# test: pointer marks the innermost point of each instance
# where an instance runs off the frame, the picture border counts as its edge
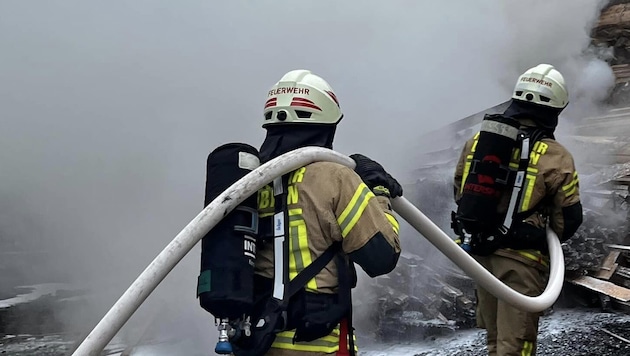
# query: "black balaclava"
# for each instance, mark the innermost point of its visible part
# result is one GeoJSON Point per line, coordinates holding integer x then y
{"type": "Point", "coordinates": [281, 139]}
{"type": "Point", "coordinates": [544, 116]}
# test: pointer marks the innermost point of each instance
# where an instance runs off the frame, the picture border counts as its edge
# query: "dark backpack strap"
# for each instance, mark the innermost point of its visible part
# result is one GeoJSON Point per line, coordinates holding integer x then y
{"type": "Point", "coordinates": [345, 296]}
{"type": "Point", "coordinates": [311, 270]}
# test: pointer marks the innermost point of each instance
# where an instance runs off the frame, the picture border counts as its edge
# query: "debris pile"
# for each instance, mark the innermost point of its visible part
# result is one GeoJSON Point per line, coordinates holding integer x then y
{"type": "Point", "coordinates": [613, 29]}
{"type": "Point", "coordinates": [415, 301]}
{"type": "Point", "coordinates": [586, 250]}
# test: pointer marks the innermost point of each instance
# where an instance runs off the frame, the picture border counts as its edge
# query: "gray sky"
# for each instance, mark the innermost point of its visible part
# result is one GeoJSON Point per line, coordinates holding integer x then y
{"type": "Point", "coordinates": [108, 109]}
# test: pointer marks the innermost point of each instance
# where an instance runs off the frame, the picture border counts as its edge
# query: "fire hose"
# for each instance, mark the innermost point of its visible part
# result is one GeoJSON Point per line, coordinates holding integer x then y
{"type": "Point", "coordinates": [214, 212]}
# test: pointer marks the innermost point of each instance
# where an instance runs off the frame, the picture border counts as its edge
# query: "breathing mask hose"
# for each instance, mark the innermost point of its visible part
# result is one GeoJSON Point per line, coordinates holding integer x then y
{"type": "Point", "coordinates": [157, 270]}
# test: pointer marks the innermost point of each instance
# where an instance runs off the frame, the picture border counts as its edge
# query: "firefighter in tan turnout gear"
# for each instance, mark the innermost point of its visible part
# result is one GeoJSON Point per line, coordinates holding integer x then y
{"type": "Point", "coordinates": [334, 214]}
{"type": "Point", "coordinates": [548, 194]}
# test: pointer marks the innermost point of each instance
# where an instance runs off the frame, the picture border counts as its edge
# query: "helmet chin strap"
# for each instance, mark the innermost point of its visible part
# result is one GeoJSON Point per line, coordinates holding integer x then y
{"type": "Point", "coordinates": [281, 139]}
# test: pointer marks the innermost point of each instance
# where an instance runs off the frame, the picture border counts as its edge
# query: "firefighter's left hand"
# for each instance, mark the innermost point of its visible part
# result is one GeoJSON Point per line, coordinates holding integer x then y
{"type": "Point", "coordinates": [374, 175]}
{"type": "Point", "coordinates": [395, 188]}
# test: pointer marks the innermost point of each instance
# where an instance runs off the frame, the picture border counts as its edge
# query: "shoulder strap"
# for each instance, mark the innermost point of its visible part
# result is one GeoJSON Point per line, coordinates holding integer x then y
{"type": "Point", "coordinates": [518, 183]}
{"type": "Point", "coordinates": [536, 135]}
{"type": "Point", "coordinates": [527, 139]}
{"type": "Point", "coordinates": [312, 270]}
{"type": "Point", "coordinates": [280, 239]}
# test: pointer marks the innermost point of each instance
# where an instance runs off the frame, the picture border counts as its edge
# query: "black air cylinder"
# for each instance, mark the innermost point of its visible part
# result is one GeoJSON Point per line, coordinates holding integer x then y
{"type": "Point", "coordinates": [228, 252]}
{"type": "Point", "coordinates": [489, 176]}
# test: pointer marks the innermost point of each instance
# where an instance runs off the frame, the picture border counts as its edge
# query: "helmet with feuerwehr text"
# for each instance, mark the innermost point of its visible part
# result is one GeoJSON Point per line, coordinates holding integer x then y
{"type": "Point", "coordinates": [301, 97]}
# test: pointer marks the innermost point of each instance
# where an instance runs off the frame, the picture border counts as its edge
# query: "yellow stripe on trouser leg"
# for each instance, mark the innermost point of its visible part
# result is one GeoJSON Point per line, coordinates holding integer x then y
{"type": "Point", "coordinates": [326, 344]}
{"type": "Point", "coordinates": [528, 346]}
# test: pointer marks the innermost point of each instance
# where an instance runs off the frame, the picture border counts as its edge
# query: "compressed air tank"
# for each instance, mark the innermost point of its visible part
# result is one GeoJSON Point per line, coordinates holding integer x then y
{"type": "Point", "coordinates": [228, 251]}
{"type": "Point", "coordinates": [489, 175]}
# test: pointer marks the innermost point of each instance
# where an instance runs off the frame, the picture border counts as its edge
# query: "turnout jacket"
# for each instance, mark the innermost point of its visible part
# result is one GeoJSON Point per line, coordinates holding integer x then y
{"type": "Point", "coordinates": [550, 192]}
{"type": "Point", "coordinates": [328, 202]}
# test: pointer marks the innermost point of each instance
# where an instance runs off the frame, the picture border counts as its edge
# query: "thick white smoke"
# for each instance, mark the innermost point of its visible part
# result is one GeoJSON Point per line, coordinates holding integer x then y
{"type": "Point", "coordinates": [109, 110]}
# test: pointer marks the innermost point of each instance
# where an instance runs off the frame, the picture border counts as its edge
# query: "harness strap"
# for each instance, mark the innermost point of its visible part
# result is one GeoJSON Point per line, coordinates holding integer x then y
{"type": "Point", "coordinates": [529, 139]}
{"type": "Point", "coordinates": [346, 332]}
{"type": "Point", "coordinates": [518, 184]}
{"type": "Point", "coordinates": [312, 270]}
{"type": "Point", "coordinates": [280, 239]}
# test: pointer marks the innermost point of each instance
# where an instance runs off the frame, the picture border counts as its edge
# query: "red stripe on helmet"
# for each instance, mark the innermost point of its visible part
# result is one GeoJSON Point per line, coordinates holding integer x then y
{"type": "Point", "coordinates": [271, 102]}
{"type": "Point", "coordinates": [303, 100]}
{"type": "Point", "coordinates": [306, 105]}
{"type": "Point", "coordinates": [333, 96]}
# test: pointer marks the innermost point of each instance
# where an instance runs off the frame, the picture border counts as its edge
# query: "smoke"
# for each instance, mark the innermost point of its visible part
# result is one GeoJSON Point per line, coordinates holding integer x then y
{"type": "Point", "coordinates": [109, 110]}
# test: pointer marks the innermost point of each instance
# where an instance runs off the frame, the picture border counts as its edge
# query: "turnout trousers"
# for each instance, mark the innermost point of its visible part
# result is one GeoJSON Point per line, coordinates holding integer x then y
{"type": "Point", "coordinates": [510, 331]}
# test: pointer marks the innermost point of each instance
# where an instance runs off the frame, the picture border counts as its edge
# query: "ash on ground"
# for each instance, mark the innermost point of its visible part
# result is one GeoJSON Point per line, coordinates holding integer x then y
{"type": "Point", "coordinates": [576, 332]}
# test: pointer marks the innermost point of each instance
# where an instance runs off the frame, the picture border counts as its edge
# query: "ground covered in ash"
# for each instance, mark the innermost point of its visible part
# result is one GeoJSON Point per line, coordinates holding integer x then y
{"type": "Point", "coordinates": [575, 332]}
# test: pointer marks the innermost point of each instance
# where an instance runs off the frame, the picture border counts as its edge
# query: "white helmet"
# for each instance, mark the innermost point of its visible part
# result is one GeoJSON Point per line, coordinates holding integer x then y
{"type": "Point", "coordinates": [542, 85]}
{"type": "Point", "coordinates": [301, 97]}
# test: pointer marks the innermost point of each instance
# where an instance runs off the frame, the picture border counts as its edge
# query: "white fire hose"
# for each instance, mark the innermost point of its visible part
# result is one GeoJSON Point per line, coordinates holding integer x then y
{"type": "Point", "coordinates": [212, 214]}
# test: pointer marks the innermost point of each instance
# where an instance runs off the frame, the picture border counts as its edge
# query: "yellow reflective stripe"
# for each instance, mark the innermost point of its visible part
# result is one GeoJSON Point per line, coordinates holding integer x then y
{"type": "Point", "coordinates": [353, 211]}
{"type": "Point", "coordinates": [265, 215]}
{"type": "Point", "coordinates": [465, 173]}
{"type": "Point", "coordinates": [313, 346]}
{"type": "Point", "coordinates": [528, 347]}
{"type": "Point", "coordinates": [571, 192]}
{"type": "Point", "coordinates": [529, 169]}
{"type": "Point", "coordinates": [290, 333]}
{"type": "Point", "coordinates": [529, 190]}
{"type": "Point", "coordinates": [300, 256]}
{"type": "Point", "coordinates": [327, 344]}
{"type": "Point", "coordinates": [468, 162]}
{"type": "Point", "coordinates": [571, 188]}
{"type": "Point", "coordinates": [476, 139]}
{"type": "Point", "coordinates": [536, 256]}
{"type": "Point", "coordinates": [392, 220]}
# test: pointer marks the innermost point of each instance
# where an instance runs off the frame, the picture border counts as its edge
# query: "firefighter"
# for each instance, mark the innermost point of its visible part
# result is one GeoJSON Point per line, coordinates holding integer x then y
{"type": "Point", "coordinates": [327, 205]}
{"type": "Point", "coordinates": [550, 196]}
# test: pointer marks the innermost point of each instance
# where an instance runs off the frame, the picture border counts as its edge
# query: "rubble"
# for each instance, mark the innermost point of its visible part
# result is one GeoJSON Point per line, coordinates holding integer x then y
{"type": "Point", "coordinates": [416, 301]}
{"type": "Point", "coordinates": [613, 29]}
{"type": "Point", "coordinates": [584, 253]}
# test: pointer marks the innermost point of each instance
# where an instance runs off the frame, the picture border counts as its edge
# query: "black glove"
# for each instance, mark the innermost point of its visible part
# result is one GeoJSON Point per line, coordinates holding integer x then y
{"type": "Point", "coordinates": [375, 177]}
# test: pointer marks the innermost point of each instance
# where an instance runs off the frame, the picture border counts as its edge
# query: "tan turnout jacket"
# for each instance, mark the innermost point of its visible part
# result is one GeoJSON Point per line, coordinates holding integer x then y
{"type": "Point", "coordinates": [551, 172]}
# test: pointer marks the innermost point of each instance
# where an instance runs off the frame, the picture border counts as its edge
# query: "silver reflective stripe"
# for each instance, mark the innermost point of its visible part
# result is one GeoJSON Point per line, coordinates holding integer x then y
{"type": "Point", "coordinates": [277, 186]}
{"type": "Point", "coordinates": [278, 245]}
{"type": "Point", "coordinates": [518, 184]}
{"type": "Point", "coordinates": [278, 267]}
{"type": "Point", "coordinates": [499, 128]}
